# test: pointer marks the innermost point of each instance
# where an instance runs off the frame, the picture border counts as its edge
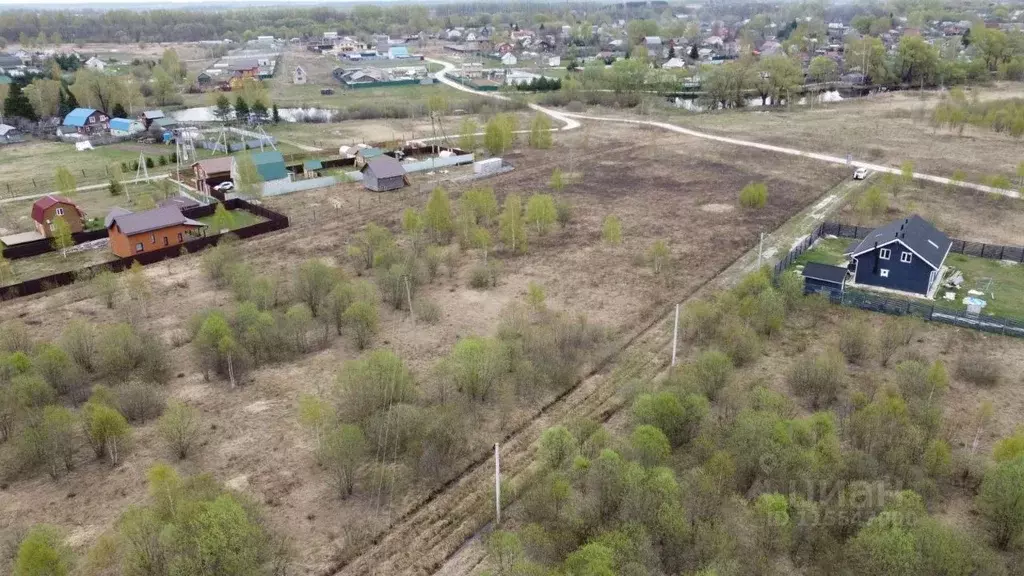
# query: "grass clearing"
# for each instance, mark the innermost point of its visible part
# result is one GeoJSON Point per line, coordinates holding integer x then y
{"type": "Point", "coordinates": [1004, 295]}
{"type": "Point", "coordinates": [239, 219]}
{"type": "Point", "coordinates": [825, 251]}
{"type": "Point", "coordinates": [53, 263]}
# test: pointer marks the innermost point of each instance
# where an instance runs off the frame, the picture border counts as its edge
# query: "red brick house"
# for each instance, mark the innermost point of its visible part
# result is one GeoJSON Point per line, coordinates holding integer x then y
{"type": "Point", "coordinates": [50, 207]}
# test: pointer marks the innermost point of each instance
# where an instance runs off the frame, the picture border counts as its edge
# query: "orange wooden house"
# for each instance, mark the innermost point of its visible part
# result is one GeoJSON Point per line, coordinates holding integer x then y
{"type": "Point", "coordinates": [139, 232]}
{"type": "Point", "coordinates": [50, 207]}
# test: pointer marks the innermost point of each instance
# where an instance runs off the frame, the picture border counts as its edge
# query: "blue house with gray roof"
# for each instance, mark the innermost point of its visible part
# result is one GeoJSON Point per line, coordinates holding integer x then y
{"type": "Point", "coordinates": [905, 254]}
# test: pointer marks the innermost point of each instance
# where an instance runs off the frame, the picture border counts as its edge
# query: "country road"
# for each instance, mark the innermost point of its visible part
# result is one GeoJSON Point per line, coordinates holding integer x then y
{"type": "Point", "coordinates": [571, 123]}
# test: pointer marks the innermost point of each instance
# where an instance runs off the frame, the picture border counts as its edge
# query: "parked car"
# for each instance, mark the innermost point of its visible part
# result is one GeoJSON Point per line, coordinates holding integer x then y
{"type": "Point", "coordinates": [224, 186]}
{"type": "Point", "coordinates": [861, 174]}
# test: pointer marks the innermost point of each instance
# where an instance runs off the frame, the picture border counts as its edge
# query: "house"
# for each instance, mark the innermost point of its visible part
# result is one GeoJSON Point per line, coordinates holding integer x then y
{"type": "Point", "coordinates": [905, 254]}
{"type": "Point", "coordinates": [8, 61]}
{"type": "Point", "coordinates": [653, 45]}
{"type": "Point", "coordinates": [9, 134]}
{"type": "Point", "coordinates": [508, 59]}
{"type": "Point", "coordinates": [312, 168]}
{"type": "Point", "coordinates": [50, 207]}
{"type": "Point", "coordinates": [139, 232]}
{"type": "Point", "coordinates": [245, 68]}
{"type": "Point", "coordinates": [95, 63]}
{"type": "Point", "coordinates": [824, 279]}
{"type": "Point", "coordinates": [149, 116]}
{"type": "Point", "coordinates": [269, 164]}
{"type": "Point", "coordinates": [211, 172]}
{"type": "Point", "coordinates": [383, 173]}
{"type": "Point", "coordinates": [674, 64]}
{"type": "Point", "coordinates": [86, 120]}
{"type": "Point", "coordinates": [204, 79]}
{"type": "Point", "coordinates": [363, 155]}
{"type": "Point", "coordinates": [299, 75]}
{"type": "Point", "coordinates": [125, 127]}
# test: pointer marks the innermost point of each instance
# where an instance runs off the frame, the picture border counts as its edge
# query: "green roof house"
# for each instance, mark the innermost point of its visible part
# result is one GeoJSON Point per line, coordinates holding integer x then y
{"type": "Point", "coordinates": [270, 165]}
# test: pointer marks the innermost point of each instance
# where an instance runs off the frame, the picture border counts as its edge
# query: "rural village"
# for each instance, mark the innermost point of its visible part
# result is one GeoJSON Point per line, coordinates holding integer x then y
{"type": "Point", "coordinates": [512, 289]}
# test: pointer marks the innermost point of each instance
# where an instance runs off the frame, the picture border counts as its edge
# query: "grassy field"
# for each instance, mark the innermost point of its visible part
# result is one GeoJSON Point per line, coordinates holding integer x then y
{"type": "Point", "coordinates": [54, 262]}
{"type": "Point", "coordinates": [30, 168]}
{"type": "Point", "coordinates": [825, 251]}
{"type": "Point", "coordinates": [239, 219]}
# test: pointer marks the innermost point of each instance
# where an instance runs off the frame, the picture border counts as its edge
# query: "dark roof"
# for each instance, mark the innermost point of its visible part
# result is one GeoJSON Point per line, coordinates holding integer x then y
{"type": "Point", "coordinates": [243, 65]}
{"type": "Point", "coordinates": [114, 213]}
{"type": "Point", "coordinates": [917, 234]}
{"type": "Point", "coordinates": [39, 207]}
{"type": "Point", "coordinates": [384, 167]}
{"type": "Point", "coordinates": [824, 272]}
{"type": "Point", "coordinates": [155, 219]}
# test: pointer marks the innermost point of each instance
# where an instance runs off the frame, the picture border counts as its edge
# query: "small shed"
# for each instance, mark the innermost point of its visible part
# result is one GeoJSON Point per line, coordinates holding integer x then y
{"type": "Point", "coordinates": [299, 75]}
{"type": "Point", "coordinates": [384, 173]}
{"type": "Point", "coordinates": [824, 279]}
{"type": "Point", "coordinates": [312, 168]}
{"type": "Point", "coordinates": [125, 127]}
{"type": "Point", "coordinates": [270, 165]}
{"type": "Point", "coordinates": [364, 155]}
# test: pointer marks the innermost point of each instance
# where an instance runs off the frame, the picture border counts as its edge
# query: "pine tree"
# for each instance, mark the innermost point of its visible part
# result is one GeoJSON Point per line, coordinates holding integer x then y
{"type": "Point", "coordinates": [694, 54]}
{"type": "Point", "coordinates": [119, 111]}
{"type": "Point", "coordinates": [72, 100]}
{"type": "Point", "coordinates": [241, 110]}
{"type": "Point", "coordinates": [276, 114]}
{"type": "Point", "coordinates": [18, 105]}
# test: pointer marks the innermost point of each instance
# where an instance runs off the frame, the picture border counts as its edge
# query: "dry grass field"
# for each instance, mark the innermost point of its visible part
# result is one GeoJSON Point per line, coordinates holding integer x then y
{"type": "Point", "coordinates": [662, 186]}
{"type": "Point", "coordinates": [886, 129]}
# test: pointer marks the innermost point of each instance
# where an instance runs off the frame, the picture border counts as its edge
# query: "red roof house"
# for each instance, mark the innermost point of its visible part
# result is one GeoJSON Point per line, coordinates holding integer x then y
{"type": "Point", "coordinates": [49, 207]}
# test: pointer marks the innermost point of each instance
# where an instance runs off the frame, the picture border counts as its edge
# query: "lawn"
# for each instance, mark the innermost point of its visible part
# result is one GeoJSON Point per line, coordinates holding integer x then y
{"type": "Point", "coordinates": [825, 251]}
{"type": "Point", "coordinates": [54, 262]}
{"type": "Point", "coordinates": [239, 219]}
{"type": "Point", "coordinates": [1004, 295]}
{"type": "Point", "coordinates": [285, 94]}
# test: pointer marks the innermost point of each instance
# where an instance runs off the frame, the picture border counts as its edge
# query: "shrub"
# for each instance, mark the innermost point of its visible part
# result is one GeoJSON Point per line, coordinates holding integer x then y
{"type": "Point", "coordinates": [1001, 501]}
{"type": "Point", "coordinates": [371, 383]}
{"type": "Point", "coordinates": [679, 419]}
{"type": "Point", "coordinates": [179, 427]}
{"type": "Point", "coordinates": [738, 341]}
{"type": "Point", "coordinates": [979, 369]}
{"type": "Point", "coordinates": [700, 320]}
{"type": "Point", "coordinates": [397, 285]}
{"type": "Point", "coordinates": [314, 280]}
{"type": "Point", "coordinates": [819, 379]}
{"type": "Point", "coordinates": [649, 445]}
{"type": "Point", "coordinates": [754, 195]}
{"type": "Point", "coordinates": [56, 367]}
{"type": "Point", "coordinates": [564, 213]}
{"type": "Point", "coordinates": [709, 372]}
{"type": "Point", "coordinates": [361, 318]}
{"type": "Point", "coordinates": [558, 448]}
{"type": "Point", "coordinates": [107, 430]}
{"type": "Point", "coordinates": [611, 230]}
{"type": "Point", "coordinates": [428, 311]}
{"type": "Point", "coordinates": [432, 259]}
{"type": "Point", "coordinates": [484, 276]}
{"type": "Point", "coordinates": [658, 255]}
{"type": "Point", "coordinates": [139, 402]}
{"type": "Point", "coordinates": [541, 212]}
{"type": "Point", "coordinates": [43, 553]}
{"type": "Point", "coordinates": [217, 262]}
{"type": "Point", "coordinates": [896, 333]}
{"type": "Point", "coordinates": [344, 451]}
{"type": "Point", "coordinates": [475, 366]}
{"type": "Point", "coordinates": [856, 339]}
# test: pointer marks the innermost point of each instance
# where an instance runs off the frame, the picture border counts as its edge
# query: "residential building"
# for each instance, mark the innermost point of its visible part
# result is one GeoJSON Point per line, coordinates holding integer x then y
{"type": "Point", "coordinates": [86, 120]}
{"type": "Point", "coordinates": [905, 254]}
{"type": "Point", "coordinates": [140, 232]}
{"type": "Point", "coordinates": [508, 59]}
{"type": "Point", "coordinates": [125, 127]}
{"type": "Point", "coordinates": [248, 68]}
{"type": "Point", "coordinates": [299, 75]}
{"type": "Point", "coordinates": [49, 208]}
{"type": "Point", "coordinates": [269, 164]}
{"type": "Point", "coordinates": [149, 116]}
{"type": "Point", "coordinates": [383, 173]}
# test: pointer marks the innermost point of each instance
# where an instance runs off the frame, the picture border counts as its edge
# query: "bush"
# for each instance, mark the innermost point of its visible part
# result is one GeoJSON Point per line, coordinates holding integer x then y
{"type": "Point", "coordinates": [856, 339]}
{"type": "Point", "coordinates": [56, 367]}
{"type": "Point", "coordinates": [43, 553]}
{"type": "Point", "coordinates": [107, 430]}
{"type": "Point", "coordinates": [139, 402]}
{"type": "Point", "coordinates": [649, 446]}
{"type": "Point", "coordinates": [484, 276]}
{"type": "Point", "coordinates": [475, 367]}
{"type": "Point", "coordinates": [361, 318]}
{"type": "Point", "coordinates": [819, 379]}
{"type": "Point", "coordinates": [372, 383]}
{"type": "Point", "coordinates": [611, 230]}
{"type": "Point", "coordinates": [679, 419]}
{"type": "Point", "coordinates": [428, 311]}
{"type": "Point", "coordinates": [700, 321]}
{"type": "Point", "coordinates": [179, 427]}
{"type": "Point", "coordinates": [896, 333]}
{"type": "Point", "coordinates": [754, 195]}
{"type": "Point", "coordinates": [738, 341]}
{"type": "Point", "coordinates": [1001, 501]}
{"type": "Point", "coordinates": [432, 259]}
{"type": "Point", "coordinates": [709, 372]}
{"type": "Point", "coordinates": [980, 370]}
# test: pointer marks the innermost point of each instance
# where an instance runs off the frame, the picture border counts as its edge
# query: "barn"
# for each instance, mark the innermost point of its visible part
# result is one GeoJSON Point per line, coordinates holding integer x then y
{"type": "Point", "coordinates": [384, 173]}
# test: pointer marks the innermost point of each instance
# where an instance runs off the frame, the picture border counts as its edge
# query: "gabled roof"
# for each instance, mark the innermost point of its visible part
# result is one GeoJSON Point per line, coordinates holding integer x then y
{"type": "Point", "coordinates": [396, 51]}
{"type": "Point", "coordinates": [78, 116]}
{"type": "Point", "coordinates": [5, 128]}
{"type": "Point", "coordinates": [153, 114]}
{"type": "Point", "coordinates": [217, 165]}
{"type": "Point", "coordinates": [384, 167]}
{"type": "Point", "coordinates": [914, 232]}
{"type": "Point", "coordinates": [270, 165]}
{"type": "Point", "coordinates": [39, 207]}
{"type": "Point", "coordinates": [824, 272]}
{"type": "Point", "coordinates": [243, 65]}
{"type": "Point", "coordinates": [165, 122]}
{"type": "Point", "coordinates": [149, 220]}
{"type": "Point", "coordinates": [369, 152]}
{"type": "Point", "coordinates": [114, 213]}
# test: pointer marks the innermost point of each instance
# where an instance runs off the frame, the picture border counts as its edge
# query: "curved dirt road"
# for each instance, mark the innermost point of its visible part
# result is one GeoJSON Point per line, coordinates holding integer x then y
{"type": "Point", "coordinates": [569, 119]}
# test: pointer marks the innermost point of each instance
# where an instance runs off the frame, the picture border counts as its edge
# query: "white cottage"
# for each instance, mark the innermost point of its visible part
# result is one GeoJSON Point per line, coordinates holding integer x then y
{"type": "Point", "coordinates": [299, 75]}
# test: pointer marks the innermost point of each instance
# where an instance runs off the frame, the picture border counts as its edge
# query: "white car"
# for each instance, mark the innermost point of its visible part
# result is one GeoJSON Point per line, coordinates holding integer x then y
{"type": "Point", "coordinates": [861, 174]}
{"type": "Point", "coordinates": [224, 186]}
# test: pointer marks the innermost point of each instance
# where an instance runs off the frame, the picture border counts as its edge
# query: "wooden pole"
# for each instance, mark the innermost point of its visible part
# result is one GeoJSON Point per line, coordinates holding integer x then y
{"type": "Point", "coordinates": [497, 485]}
{"type": "Point", "coordinates": [675, 335]}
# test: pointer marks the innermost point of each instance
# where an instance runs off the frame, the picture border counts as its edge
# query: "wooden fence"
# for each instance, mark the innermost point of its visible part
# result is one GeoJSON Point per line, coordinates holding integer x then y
{"type": "Point", "coordinates": [275, 221]}
{"type": "Point", "coordinates": [911, 307]}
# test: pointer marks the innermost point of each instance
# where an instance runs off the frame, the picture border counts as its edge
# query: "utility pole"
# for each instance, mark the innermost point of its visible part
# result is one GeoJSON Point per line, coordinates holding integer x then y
{"type": "Point", "coordinates": [675, 335]}
{"type": "Point", "coordinates": [760, 250]}
{"type": "Point", "coordinates": [497, 485]}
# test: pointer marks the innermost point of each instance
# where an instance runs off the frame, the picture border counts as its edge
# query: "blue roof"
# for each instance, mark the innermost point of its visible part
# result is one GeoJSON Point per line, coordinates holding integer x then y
{"type": "Point", "coordinates": [5, 79]}
{"type": "Point", "coordinates": [120, 124]}
{"type": "Point", "coordinates": [399, 52]}
{"type": "Point", "coordinates": [78, 117]}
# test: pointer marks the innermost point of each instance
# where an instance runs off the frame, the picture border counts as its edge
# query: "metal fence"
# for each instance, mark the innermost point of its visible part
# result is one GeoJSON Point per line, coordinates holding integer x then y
{"type": "Point", "coordinates": [275, 221]}
{"type": "Point", "coordinates": [909, 307]}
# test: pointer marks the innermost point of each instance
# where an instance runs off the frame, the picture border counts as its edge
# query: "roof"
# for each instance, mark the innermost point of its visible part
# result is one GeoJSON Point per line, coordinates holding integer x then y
{"type": "Point", "coordinates": [5, 128]}
{"type": "Point", "coordinates": [243, 65]}
{"type": "Point", "coordinates": [5, 79]}
{"type": "Point", "coordinates": [914, 232]}
{"type": "Point", "coordinates": [312, 165]}
{"type": "Point", "coordinates": [78, 116]}
{"type": "Point", "coordinates": [165, 122]}
{"type": "Point", "coordinates": [384, 167]}
{"type": "Point", "coordinates": [825, 273]}
{"type": "Point", "coordinates": [114, 213]}
{"type": "Point", "coordinates": [369, 152]}
{"type": "Point", "coordinates": [120, 124]}
{"type": "Point", "coordinates": [39, 207]}
{"type": "Point", "coordinates": [153, 114]}
{"type": "Point", "coordinates": [215, 165]}
{"type": "Point", "coordinates": [398, 51]}
{"type": "Point", "coordinates": [155, 219]}
{"type": "Point", "coordinates": [270, 165]}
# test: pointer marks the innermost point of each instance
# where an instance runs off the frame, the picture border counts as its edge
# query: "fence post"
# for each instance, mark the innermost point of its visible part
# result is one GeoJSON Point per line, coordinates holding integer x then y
{"type": "Point", "coordinates": [1001, 249]}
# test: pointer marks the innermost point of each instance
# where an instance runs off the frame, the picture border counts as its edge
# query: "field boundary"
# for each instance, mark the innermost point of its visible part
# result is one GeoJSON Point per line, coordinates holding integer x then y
{"type": "Point", "coordinates": [275, 221]}
{"type": "Point", "coordinates": [907, 307]}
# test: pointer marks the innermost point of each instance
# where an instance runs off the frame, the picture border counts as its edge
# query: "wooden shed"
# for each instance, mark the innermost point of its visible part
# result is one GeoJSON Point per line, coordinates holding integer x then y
{"type": "Point", "coordinates": [384, 173]}
{"type": "Point", "coordinates": [824, 279]}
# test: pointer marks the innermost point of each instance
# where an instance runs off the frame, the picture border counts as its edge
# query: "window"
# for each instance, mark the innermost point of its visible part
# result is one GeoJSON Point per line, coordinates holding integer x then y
{"type": "Point", "coordinates": [152, 238]}
{"type": "Point", "coordinates": [180, 239]}
{"type": "Point", "coordinates": [884, 253]}
{"type": "Point", "coordinates": [59, 211]}
{"type": "Point", "coordinates": [138, 247]}
{"type": "Point", "coordinates": [166, 241]}
{"type": "Point", "coordinates": [906, 257]}
{"type": "Point", "coordinates": [884, 272]}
